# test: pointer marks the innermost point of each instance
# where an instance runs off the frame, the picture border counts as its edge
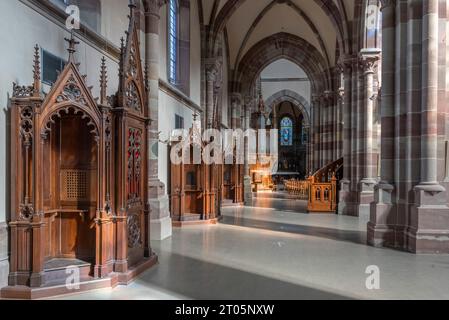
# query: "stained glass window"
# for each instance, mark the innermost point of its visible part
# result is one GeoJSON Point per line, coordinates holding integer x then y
{"type": "Point", "coordinates": [286, 132]}
{"type": "Point", "coordinates": [172, 41]}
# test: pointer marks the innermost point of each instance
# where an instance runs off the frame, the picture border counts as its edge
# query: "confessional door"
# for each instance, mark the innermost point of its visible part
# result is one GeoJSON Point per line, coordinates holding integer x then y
{"type": "Point", "coordinates": [228, 183]}
{"type": "Point", "coordinates": [70, 191]}
{"type": "Point", "coordinates": [192, 190]}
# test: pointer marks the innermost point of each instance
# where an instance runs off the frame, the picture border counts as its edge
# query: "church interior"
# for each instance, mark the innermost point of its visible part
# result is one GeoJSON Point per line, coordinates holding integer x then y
{"type": "Point", "coordinates": [327, 123]}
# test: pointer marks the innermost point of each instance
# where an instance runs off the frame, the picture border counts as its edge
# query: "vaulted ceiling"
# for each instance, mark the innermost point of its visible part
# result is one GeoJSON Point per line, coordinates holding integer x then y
{"type": "Point", "coordinates": [322, 23]}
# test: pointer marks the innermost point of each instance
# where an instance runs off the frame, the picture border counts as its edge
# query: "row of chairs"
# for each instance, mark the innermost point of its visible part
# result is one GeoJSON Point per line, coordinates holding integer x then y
{"type": "Point", "coordinates": [297, 188]}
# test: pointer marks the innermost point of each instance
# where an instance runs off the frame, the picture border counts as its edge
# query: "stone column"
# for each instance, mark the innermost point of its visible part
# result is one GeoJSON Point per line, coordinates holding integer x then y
{"type": "Point", "coordinates": [344, 205]}
{"type": "Point", "coordinates": [247, 187]}
{"type": "Point", "coordinates": [323, 107]}
{"type": "Point", "coordinates": [332, 128]}
{"type": "Point", "coordinates": [236, 105]}
{"type": "Point", "coordinates": [429, 221]}
{"type": "Point", "coordinates": [379, 231]}
{"type": "Point", "coordinates": [160, 220]}
{"type": "Point", "coordinates": [368, 59]}
{"type": "Point", "coordinates": [339, 123]}
{"type": "Point", "coordinates": [328, 128]}
{"type": "Point", "coordinates": [324, 128]}
{"type": "Point", "coordinates": [316, 132]}
{"type": "Point", "coordinates": [212, 69]}
{"type": "Point", "coordinates": [355, 125]}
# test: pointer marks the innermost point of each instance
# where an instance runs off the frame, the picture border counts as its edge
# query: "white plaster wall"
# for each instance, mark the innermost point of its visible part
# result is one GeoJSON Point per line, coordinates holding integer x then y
{"type": "Point", "coordinates": [113, 20]}
{"type": "Point", "coordinates": [285, 69]}
{"type": "Point", "coordinates": [168, 108]}
{"type": "Point", "coordinates": [21, 28]}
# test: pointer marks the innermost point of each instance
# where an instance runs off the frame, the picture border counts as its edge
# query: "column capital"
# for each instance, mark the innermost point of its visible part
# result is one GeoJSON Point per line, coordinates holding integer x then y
{"type": "Point", "coordinates": [384, 4]}
{"type": "Point", "coordinates": [316, 98]}
{"type": "Point", "coordinates": [368, 59]}
{"type": "Point", "coordinates": [236, 98]}
{"type": "Point", "coordinates": [329, 96]}
{"type": "Point", "coordinates": [340, 94]}
{"type": "Point", "coordinates": [153, 6]}
{"type": "Point", "coordinates": [212, 66]}
{"type": "Point", "coordinates": [346, 63]}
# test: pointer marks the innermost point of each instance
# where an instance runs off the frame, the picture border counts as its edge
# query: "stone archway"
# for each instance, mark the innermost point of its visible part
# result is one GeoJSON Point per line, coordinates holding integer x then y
{"type": "Point", "coordinates": [275, 47]}
{"type": "Point", "coordinates": [300, 103]}
{"type": "Point", "coordinates": [294, 98]}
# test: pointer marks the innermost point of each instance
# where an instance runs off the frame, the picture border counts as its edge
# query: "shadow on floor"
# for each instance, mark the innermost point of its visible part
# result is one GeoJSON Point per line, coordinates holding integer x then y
{"type": "Point", "coordinates": [357, 237]}
{"type": "Point", "coordinates": [287, 205]}
{"type": "Point", "coordinates": [203, 280]}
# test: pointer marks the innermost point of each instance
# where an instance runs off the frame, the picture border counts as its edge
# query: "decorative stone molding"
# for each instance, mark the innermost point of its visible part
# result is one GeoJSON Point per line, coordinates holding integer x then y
{"type": "Point", "coordinates": [212, 69]}
{"type": "Point", "coordinates": [153, 6]}
{"type": "Point", "coordinates": [368, 59]}
{"type": "Point", "coordinates": [340, 94]}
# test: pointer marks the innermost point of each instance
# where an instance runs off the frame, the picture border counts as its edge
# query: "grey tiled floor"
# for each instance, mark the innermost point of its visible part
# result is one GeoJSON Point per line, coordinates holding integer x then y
{"type": "Point", "coordinates": [266, 253]}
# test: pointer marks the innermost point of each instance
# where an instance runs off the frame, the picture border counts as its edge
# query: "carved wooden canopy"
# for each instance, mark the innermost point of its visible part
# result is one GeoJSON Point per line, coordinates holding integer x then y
{"type": "Point", "coordinates": [132, 94]}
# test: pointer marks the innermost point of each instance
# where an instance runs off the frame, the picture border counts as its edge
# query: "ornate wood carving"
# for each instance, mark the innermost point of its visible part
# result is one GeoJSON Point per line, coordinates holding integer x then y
{"type": "Point", "coordinates": [79, 173]}
{"type": "Point", "coordinates": [195, 189]}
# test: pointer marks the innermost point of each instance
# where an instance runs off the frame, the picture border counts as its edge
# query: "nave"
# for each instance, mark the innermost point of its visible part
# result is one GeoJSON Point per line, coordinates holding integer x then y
{"type": "Point", "coordinates": [269, 254]}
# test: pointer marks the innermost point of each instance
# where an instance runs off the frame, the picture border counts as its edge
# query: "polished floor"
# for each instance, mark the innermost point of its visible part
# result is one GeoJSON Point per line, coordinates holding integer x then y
{"type": "Point", "coordinates": [273, 252]}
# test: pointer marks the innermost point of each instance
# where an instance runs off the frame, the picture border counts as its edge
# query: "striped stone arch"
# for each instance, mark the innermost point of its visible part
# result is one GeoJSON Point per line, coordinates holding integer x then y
{"type": "Point", "coordinates": [275, 47]}
{"type": "Point", "coordinates": [294, 98]}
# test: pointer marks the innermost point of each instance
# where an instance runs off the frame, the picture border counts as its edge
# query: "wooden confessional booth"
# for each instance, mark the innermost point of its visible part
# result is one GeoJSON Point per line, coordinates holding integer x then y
{"type": "Point", "coordinates": [78, 180]}
{"type": "Point", "coordinates": [232, 182]}
{"type": "Point", "coordinates": [194, 196]}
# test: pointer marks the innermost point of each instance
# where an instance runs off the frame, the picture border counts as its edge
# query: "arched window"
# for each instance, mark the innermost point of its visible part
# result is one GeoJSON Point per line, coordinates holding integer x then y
{"type": "Point", "coordinates": [173, 41]}
{"type": "Point", "coordinates": [286, 132]}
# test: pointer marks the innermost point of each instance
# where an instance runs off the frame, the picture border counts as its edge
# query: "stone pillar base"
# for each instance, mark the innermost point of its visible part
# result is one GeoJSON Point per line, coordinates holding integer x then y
{"type": "Point", "coordinates": [365, 198]}
{"type": "Point", "coordinates": [160, 229]}
{"type": "Point", "coordinates": [344, 204]}
{"type": "Point", "coordinates": [160, 220]}
{"type": "Point", "coordinates": [429, 221]}
{"type": "Point", "coordinates": [248, 191]}
{"type": "Point", "coordinates": [4, 263]}
{"type": "Point", "coordinates": [382, 220]}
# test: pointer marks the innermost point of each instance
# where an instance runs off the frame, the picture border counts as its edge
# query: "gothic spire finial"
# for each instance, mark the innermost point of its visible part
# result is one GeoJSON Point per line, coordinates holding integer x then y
{"type": "Point", "coordinates": [103, 81]}
{"type": "Point", "coordinates": [72, 43]}
{"type": "Point", "coordinates": [36, 71]}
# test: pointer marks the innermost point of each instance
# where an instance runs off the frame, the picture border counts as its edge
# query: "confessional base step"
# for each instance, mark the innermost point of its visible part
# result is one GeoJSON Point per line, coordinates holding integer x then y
{"type": "Point", "coordinates": [57, 270]}
{"type": "Point", "coordinates": [58, 263]}
{"type": "Point", "coordinates": [318, 211]}
{"type": "Point", "coordinates": [56, 288]}
{"type": "Point", "coordinates": [193, 221]}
